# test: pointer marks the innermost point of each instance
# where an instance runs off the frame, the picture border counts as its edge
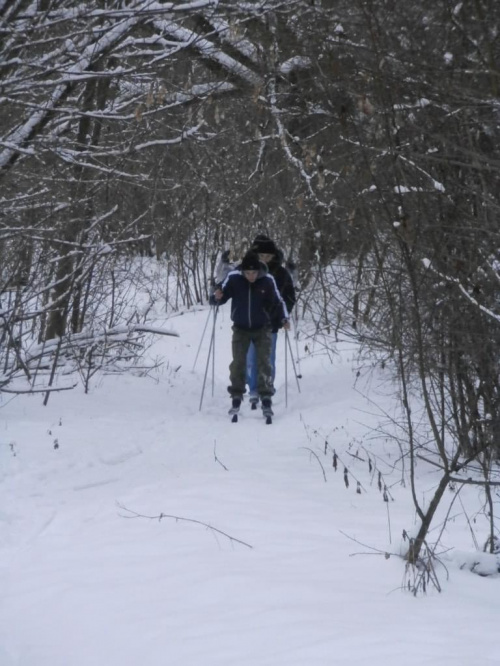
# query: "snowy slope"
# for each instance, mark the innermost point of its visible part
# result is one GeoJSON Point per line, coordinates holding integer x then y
{"type": "Point", "coordinates": [87, 582]}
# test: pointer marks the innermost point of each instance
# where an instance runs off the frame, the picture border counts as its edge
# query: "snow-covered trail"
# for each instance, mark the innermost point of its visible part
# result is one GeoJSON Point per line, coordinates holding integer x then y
{"type": "Point", "coordinates": [86, 582]}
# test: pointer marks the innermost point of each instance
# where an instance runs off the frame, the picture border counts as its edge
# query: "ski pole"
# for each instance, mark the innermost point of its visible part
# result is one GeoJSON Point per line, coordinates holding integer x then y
{"type": "Point", "coordinates": [293, 360]}
{"type": "Point", "coordinates": [213, 351]}
{"type": "Point", "coordinates": [286, 372]}
{"type": "Point", "coordinates": [208, 358]}
{"type": "Point", "coordinates": [296, 337]}
{"type": "Point", "coordinates": [202, 337]}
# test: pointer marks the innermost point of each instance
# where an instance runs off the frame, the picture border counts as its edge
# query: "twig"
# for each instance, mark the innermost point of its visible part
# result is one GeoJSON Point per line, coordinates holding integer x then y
{"type": "Point", "coordinates": [377, 551]}
{"type": "Point", "coordinates": [161, 516]}
{"type": "Point", "coordinates": [217, 459]}
{"type": "Point", "coordinates": [389, 522]}
{"type": "Point", "coordinates": [360, 485]}
{"type": "Point", "coordinates": [469, 524]}
{"type": "Point", "coordinates": [317, 458]}
{"type": "Point", "coordinates": [355, 455]}
{"type": "Point", "coordinates": [456, 479]}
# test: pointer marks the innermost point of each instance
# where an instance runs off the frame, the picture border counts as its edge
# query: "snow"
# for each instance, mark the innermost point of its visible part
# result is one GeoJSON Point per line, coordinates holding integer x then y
{"type": "Point", "coordinates": [208, 50]}
{"type": "Point", "coordinates": [301, 579]}
{"type": "Point", "coordinates": [294, 63]}
{"type": "Point", "coordinates": [403, 189]}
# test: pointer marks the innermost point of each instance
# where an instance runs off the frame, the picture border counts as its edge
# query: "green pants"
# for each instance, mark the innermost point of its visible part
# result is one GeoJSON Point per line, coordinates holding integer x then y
{"type": "Point", "coordinates": [262, 340]}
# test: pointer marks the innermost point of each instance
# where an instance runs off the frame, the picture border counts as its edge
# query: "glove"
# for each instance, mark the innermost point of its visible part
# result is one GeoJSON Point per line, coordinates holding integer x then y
{"type": "Point", "coordinates": [276, 325]}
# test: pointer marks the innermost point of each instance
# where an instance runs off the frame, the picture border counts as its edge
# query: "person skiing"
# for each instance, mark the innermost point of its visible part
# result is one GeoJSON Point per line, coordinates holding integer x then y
{"type": "Point", "coordinates": [257, 306]}
{"type": "Point", "coordinates": [272, 257]}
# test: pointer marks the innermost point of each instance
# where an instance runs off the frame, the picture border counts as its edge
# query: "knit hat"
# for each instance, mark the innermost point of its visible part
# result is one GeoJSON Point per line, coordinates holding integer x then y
{"type": "Point", "coordinates": [264, 245]}
{"type": "Point", "coordinates": [261, 237]}
{"type": "Point", "coordinates": [251, 262]}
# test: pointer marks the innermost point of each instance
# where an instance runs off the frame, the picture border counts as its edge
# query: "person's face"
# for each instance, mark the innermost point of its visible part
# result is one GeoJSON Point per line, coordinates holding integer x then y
{"type": "Point", "coordinates": [265, 257]}
{"type": "Point", "coordinates": [251, 276]}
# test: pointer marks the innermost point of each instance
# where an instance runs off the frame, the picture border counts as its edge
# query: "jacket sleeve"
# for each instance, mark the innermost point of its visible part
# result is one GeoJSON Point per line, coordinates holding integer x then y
{"type": "Point", "coordinates": [224, 267]}
{"type": "Point", "coordinates": [227, 292]}
{"type": "Point", "coordinates": [227, 289]}
{"type": "Point", "coordinates": [278, 311]}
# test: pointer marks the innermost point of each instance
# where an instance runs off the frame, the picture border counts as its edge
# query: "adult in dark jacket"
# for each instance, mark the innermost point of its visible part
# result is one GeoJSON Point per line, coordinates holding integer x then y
{"type": "Point", "coordinates": [256, 307]}
{"type": "Point", "coordinates": [270, 255]}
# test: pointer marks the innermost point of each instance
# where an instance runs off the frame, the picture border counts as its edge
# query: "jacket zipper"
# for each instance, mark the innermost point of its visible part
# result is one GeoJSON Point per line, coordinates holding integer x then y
{"type": "Point", "coordinates": [249, 305]}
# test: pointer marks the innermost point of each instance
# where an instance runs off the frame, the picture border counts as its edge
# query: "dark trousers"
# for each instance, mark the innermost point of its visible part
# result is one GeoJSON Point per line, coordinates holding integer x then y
{"type": "Point", "coordinates": [262, 339]}
{"type": "Point", "coordinates": [252, 371]}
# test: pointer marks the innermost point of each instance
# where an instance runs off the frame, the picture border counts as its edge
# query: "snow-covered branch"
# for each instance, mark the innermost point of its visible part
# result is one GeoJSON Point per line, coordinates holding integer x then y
{"type": "Point", "coordinates": [428, 264]}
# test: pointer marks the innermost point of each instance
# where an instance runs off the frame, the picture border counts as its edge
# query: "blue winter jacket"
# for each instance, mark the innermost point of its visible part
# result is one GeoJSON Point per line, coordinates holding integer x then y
{"type": "Point", "coordinates": [254, 304]}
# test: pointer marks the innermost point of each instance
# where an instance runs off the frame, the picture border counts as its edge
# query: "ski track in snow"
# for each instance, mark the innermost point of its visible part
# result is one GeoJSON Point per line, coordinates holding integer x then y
{"type": "Point", "coordinates": [86, 584]}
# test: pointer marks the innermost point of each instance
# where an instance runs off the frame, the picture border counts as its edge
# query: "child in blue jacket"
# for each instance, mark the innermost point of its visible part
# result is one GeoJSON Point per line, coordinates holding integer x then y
{"type": "Point", "coordinates": [256, 306]}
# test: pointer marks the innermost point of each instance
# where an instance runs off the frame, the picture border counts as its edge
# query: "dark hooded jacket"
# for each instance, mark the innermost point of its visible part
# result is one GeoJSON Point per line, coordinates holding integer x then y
{"type": "Point", "coordinates": [282, 276]}
{"type": "Point", "coordinates": [285, 286]}
{"type": "Point", "coordinates": [284, 281]}
{"type": "Point", "coordinates": [254, 304]}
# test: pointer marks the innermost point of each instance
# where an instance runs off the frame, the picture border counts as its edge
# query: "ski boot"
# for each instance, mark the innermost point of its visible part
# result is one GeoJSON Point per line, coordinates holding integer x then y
{"type": "Point", "coordinates": [267, 411]}
{"type": "Point", "coordinates": [235, 408]}
{"type": "Point", "coordinates": [254, 401]}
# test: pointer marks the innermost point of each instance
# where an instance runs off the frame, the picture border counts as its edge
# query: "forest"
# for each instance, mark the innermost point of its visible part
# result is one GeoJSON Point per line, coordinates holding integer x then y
{"type": "Point", "coordinates": [362, 135]}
